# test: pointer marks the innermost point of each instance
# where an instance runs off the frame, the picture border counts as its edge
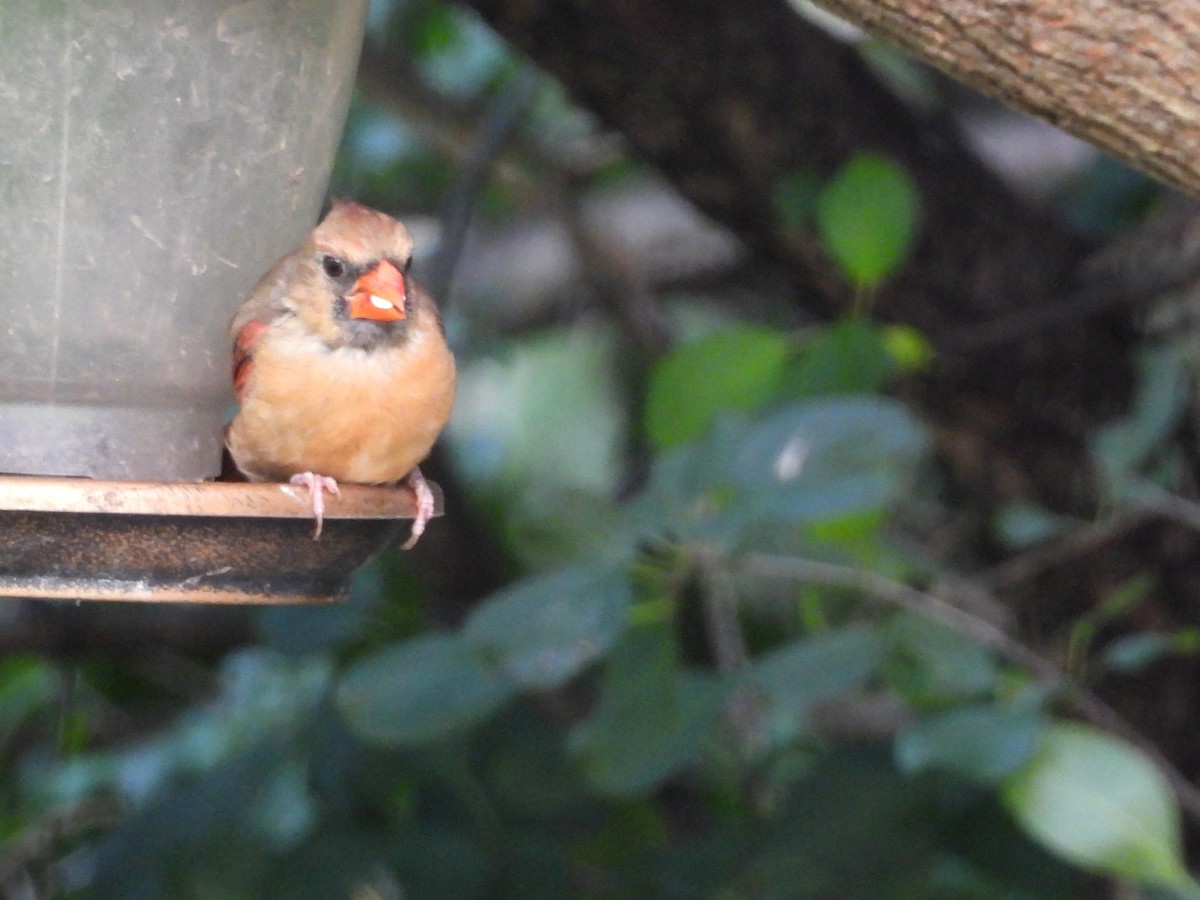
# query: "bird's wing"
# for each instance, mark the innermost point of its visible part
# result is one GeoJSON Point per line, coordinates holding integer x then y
{"type": "Point", "coordinates": [243, 355]}
{"type": "Point", "coordinates": [263, 306]}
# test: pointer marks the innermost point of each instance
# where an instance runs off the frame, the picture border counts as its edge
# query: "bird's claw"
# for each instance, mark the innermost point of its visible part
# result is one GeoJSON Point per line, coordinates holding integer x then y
{"type": "Point", "coordinates": [317, 485]}
{"type": "Point", "coordinates": [425, 507]}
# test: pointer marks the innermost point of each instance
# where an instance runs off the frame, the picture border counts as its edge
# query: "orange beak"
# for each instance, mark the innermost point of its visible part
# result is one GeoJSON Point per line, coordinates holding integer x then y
{"type": "Point", "coordinates": [378, 295]}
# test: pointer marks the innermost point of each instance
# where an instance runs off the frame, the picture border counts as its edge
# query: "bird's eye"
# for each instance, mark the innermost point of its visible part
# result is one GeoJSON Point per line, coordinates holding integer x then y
{"type": "Point", "coordinates": [333, 266]}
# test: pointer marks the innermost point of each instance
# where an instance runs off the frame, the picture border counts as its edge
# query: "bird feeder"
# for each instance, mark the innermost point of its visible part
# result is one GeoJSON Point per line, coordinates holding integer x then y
{"type": "Point", "coordinates": [155, 160]}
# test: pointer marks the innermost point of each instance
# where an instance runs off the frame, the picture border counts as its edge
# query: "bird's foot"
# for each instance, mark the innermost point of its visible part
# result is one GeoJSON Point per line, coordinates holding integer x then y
{"type": "Point", "coordinates": [425, 505]}
{"type": "Point", "coordinates": [317, 486]}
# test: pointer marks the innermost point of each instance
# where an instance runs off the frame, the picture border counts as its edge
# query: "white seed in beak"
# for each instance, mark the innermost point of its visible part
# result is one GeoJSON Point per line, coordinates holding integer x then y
{"type": "Point", "coordinates": [380, 303]}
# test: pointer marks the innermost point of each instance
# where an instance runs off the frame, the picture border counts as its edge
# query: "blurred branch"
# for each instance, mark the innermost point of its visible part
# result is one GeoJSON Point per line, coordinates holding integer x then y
{"type": "Point", "coordinates": [1024, 567]}
{"type": "Point", "coordinates": [1158, 257]}
{"type": "Point", "coordinates": [979, 631]}
{"type": "Point", "coordinates": [1170, 506]}
{"type": "Point", "coordinates": [465, 535]}
{"type": "Point", "coordinates": [728, 644]}
{"type": "Point", "coordinates": [386, 76]}
{"type": "Point", "coordinates": [721, 614]}
{"type": "Point", "coordinates": [33, 849]}
{"type": "Point", "coordinates": [389, 78]}
{"type": "Point", "coordinates": [621, 286]}
{"type": "Point", "coordinates": [624, 293]}
{"type": "Point", "coordinates": [499, 125]}
{"type": "Point", "coordinates": [1153, 503]}
{"type": "Point", "coordinates": [614, 244]}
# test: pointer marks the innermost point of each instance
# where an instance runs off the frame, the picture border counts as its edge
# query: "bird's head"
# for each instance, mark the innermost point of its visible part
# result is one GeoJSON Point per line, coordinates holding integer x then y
{"type": "Point", "coordinates": [358, 261]}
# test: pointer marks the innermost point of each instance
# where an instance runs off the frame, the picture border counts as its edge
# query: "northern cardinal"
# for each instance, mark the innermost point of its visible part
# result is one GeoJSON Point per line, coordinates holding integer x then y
{"type": "Point", "coordinates": [340, 365]}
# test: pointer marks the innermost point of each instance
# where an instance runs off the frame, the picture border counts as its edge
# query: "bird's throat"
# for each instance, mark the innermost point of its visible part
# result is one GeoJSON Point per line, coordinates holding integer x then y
{"type": "Point", "coordinates": [367, 334]}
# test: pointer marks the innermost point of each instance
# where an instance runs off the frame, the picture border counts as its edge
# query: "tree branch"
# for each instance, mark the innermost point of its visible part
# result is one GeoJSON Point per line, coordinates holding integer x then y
{"type": "Point", "coordinates": [1121, 74]}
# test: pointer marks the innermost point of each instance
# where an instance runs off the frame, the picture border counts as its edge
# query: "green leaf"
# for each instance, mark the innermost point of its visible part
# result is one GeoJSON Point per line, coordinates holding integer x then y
{"type": "Point", "coordinates": [285, 809]}
{"type": "Point", "coordinates": [1135, 652]}
{"type": "Point", "coordinates": [908, 348]}
{"type": "Point", "coordinates": [867, 218]}
{"type": "Point", "coordinates": [1023, 524]}
{"type": "Point", "coordinates": [1102, 805]}
{"type": "Point", "coordinates": [795, 676]}
{"type": "Point", "coordinates": [435, 29]}
{"type": "Point", "coordinates": [546, 410]}
{"type": "Point", "coordinates": [420, 690]}
{"type": "Point", "coordinates": [826, 459]}
{"type": "Point", "coordinates": [1117, 604]}
{"type": "Point", "coordinates": [529, 773]}
{"type": "Point", "coordinates": [739, 368]}
{"type": "Point", "coordinates": [555, 525]}
{"type": "Point", "coordinates": [932, 664]}
{"type": "Point", "coordinates": [848, 357]}
{"type": "Point", "coordinates": [543, 630]}
{"type": "Point", "coordinates": [263, 695]}
{"type": "Point", "coordinates": [192, 821]}
{"type": "Point", "coordinates": [684, 494]}
{"type": "Point", "coordinates": [984, 742]}
{"type": "Point", "coordinates": [651, 718]}
{"type": "Point", "coordinates": [852, 829]}
{"type": "Point", "coordinates": [804, 464]}
{"type": "Point", "coordinates": [27, 688]}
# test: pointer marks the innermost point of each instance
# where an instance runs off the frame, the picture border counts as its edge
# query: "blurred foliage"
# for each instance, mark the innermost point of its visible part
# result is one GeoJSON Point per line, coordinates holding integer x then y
{"type": "Point", "coordinates": [641, 713]}
{"type": "Point", "coordinates": [1100, 804]}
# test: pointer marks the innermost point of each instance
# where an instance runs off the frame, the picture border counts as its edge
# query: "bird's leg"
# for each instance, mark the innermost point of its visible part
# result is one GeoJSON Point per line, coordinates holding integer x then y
{"type": "Point", "coordinates": [317, 485]}
{"type": "Point", "coordinates": [424, 506]}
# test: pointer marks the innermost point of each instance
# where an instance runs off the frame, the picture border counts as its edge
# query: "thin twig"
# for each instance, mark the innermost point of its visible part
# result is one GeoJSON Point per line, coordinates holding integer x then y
{"type": "Point", "coordinates": [1026, 566]}
{"type": "Point", "coordinates": [979, 631]}
{"type": "Point", "coordinates": [1026, 324]}
{"type": "Point", "coordinates": [388, 77]}
{"type": "Point", "coordinates": [1170, 506]}
{"type": "Point", "coordinates": [498, 127]}
{"type": "Point", "coordinates": [1151, 503]}
{"type": "Point", "coordinates": [728, 643]}
{"type": "Point", "coordinates": [1159, 257]}
{"type": "Point", "coordinates": [34, 847]}
{"type": "Point", "coordinates": [725, 636]}
{"type": "Point", "coordinates": [638, 313]}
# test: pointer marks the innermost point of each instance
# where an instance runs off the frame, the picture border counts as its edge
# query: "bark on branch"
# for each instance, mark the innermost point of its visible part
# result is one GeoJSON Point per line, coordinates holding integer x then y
{"type": "Point", "coordinates": [1121, 74]}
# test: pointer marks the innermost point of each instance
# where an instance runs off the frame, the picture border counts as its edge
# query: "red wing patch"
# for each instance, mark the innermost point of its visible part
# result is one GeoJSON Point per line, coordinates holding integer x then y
{"type": "Point", "coordinates": [243, 356]}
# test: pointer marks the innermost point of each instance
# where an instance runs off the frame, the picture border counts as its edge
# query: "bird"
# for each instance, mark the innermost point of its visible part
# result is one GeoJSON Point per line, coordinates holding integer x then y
{"type": "Point", "coordinates": [341, 369]}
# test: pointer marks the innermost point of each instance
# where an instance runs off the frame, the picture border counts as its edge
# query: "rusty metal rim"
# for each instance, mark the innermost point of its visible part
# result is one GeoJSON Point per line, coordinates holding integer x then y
{"type": "Point", "coordinates": [35, 493]}
{"type": "Point", "coordinates": [146, 592]}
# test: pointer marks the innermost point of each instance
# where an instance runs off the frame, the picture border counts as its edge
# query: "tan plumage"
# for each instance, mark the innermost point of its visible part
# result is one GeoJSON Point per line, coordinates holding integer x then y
{"type": "Point", "coordinates": [335, 382]}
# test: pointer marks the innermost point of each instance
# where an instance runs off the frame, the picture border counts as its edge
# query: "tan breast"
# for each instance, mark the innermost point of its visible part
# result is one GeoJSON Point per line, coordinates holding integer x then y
{"type": "Point", "coordinates": [357, 416]}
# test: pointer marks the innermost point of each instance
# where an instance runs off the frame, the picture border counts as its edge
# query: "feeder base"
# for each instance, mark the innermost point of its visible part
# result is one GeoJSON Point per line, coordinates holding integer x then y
{"type": "Point", "coordinates": [211, 542]}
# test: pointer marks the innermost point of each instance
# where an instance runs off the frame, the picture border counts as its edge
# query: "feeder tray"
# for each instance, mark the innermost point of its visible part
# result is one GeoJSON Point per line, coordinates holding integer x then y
{"type": "Point", "coordinates": [208, 542]}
